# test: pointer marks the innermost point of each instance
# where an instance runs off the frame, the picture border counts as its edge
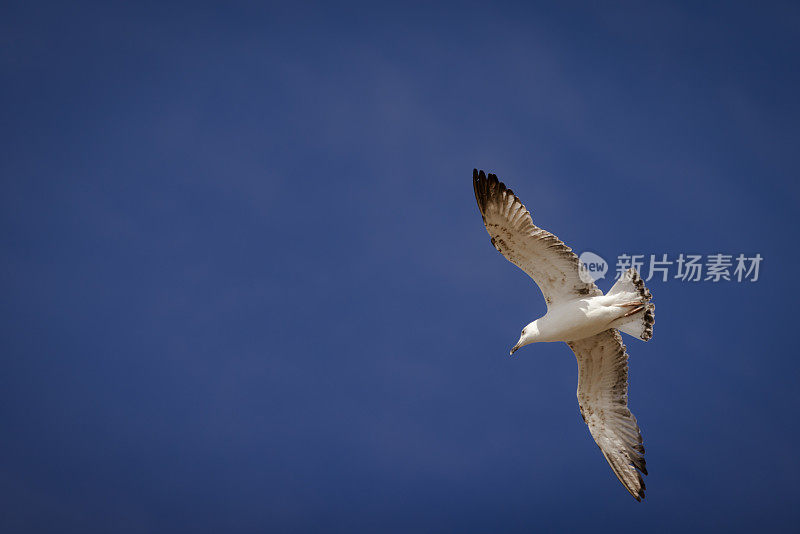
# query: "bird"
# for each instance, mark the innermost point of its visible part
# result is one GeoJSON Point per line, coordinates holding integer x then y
{"type": "Point", "coordinates": [580, 315]}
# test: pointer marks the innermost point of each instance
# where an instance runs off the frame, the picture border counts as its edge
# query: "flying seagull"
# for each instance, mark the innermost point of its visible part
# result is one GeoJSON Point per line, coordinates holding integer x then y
{"type": "Point", "coordinates": [579, 314]}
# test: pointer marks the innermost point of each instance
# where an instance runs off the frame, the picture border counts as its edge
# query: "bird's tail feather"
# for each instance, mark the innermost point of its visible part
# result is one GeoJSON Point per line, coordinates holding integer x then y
{"type": "Point", "coordinates": [630, 289]}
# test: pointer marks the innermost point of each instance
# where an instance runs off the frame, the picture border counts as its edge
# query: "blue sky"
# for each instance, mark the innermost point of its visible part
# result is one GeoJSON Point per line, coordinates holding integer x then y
{"type": "Point", "coordinates": [246, 286]}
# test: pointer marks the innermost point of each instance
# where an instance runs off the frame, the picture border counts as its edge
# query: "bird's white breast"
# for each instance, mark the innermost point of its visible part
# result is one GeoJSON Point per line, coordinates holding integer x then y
{"type": "Point", "coordinates": [577, 319]}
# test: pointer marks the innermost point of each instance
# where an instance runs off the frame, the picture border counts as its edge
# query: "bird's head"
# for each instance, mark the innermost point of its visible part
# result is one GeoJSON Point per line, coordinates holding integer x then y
{"type": "Point", "coordinates": [530, 334]}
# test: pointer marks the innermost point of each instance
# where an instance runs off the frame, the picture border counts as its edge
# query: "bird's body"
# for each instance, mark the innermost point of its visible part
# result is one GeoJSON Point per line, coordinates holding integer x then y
{"type": "Point", "coordinates": [579, 314]}
{"type": "Point", "coordinates": [581, 318]}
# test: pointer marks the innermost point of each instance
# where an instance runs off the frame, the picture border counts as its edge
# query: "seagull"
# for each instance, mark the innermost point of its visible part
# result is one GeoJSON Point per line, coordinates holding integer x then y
{"type": "Point", "coordinates": [579, 314]}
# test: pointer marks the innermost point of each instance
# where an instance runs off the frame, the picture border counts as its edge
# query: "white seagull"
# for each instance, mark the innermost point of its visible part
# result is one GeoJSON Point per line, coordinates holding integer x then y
{"type": "Point", "coordinates": [579, 314]}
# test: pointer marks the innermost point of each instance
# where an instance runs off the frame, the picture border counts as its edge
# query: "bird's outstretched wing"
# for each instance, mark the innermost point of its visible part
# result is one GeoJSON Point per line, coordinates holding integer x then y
{"type": "Point", "coordinates": [551, 263]}
{"type": "Point", "coordinates": [603, 400]}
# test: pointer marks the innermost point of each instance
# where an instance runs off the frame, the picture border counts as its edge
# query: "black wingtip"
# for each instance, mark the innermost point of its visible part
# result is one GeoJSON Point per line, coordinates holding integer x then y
{"type": "Point", "coordinates": [637, 494]}
{"type": "Point", "coordinates": [490, 179]}
{"type": "Point", "coordinates": [487, 187]}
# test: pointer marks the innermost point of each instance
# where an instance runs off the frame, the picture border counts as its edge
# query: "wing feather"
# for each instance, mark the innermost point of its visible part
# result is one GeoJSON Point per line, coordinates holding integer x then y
{"type": "Point", "coordinates": [603, 400]}
{"type": "Point", "coordinates": [543, 257]}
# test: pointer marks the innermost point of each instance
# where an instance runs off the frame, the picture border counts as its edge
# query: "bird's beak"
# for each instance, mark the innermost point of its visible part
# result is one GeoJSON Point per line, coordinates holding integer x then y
{"type": "Point", "coordinates": [514, 349]}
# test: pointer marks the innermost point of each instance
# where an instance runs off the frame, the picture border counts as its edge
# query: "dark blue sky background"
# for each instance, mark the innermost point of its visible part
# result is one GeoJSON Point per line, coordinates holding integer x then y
{"type": "Point", "coordinates": [246, 287]}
